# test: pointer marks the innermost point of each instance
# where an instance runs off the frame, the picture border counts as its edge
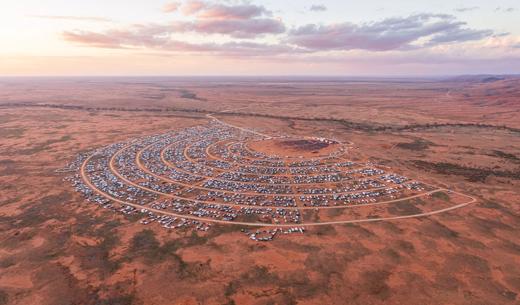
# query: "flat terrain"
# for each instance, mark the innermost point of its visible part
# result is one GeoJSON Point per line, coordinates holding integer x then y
{"type": "Point", "coordinates": [459, 134]}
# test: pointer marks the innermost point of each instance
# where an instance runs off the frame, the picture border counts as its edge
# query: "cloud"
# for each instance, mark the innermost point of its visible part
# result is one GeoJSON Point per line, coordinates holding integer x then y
{"type": "Point", "coordinates": [238, 28]}
{"type": "Point", "coordinates": [467, 9]}
{"type": "Point", "coordinates": [235, 21]}
{"type": "Point", "coordinates": [193, 6]}
{"type": "Point", "coordinates": [401, 33]}
{"type": "Point", "coordinates": [242, 30]}
{"type": "Point", "coordinates": [318, 8]}
{"type": "Point", "coordinates": [205, 10]}
{"type": "Point", "coordinates": [171, 7]}
{"type": "Point", "coordinates": [117, 39]}
{"type": "Point", "coordinates": [72, 18]}
{"type": "Point", "coordinates": [505, 9]}
{"type": "Point", "coordinates": [141, 39]}
{"type": "Point", "coordinates": [243, 11]}
{"type": "Point", "coordinates": [91, 39]}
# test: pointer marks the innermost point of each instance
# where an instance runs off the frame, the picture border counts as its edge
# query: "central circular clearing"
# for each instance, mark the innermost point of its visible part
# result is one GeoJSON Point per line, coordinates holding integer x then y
{"type": "Point", "coordinates": [295, 147]}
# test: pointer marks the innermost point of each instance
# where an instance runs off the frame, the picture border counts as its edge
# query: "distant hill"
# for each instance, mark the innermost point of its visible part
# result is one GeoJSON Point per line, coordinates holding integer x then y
{"type": "Point", "coordinates": [484, 78]}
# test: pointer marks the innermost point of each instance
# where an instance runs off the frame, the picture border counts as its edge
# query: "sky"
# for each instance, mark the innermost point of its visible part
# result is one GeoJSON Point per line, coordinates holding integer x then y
{"type": "Point", "coordinates": [235, 37]}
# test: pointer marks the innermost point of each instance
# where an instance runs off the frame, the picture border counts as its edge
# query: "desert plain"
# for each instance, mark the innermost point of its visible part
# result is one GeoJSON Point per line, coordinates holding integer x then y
{"type": "Point", "coordinates": [460, 135]}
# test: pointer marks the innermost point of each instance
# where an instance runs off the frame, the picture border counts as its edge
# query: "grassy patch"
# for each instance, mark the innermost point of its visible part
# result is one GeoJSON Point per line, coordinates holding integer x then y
{"type": "Point", "coordinates": [128, 299]}
{"type": "Point", "coordinates": [374, 282]}
{"type": "Point", "coordinates": [98, 256]}
{"type": "Point", "coordinates": [190, 95]}
{"type": "Point", "coordinates": [403, 208]}
{"type": "Point", "coordinates": [326, 230]}
{"type": "Point", "coordinates": [12, 133]}
{"type": "Point", "coordinates": [416, 145]}
{"type": "Point", "coordinates": [43, 146]}
{"type": "Point", "coordinates": [145, 244]}
{"type": "Point", "coordinates": [441, 195]}
{"type": "Point", "coordinates": [504, 155]}
{"type": "Point", "coordinates": [437, 229]}
{"type": "Point", "coordinates": [334, 212]}
{"type": "Point", "coordinates": [472, 174]}
{"type": "Point", "coordinates": [4, 298]}
{"type": "Point", "coordinates": [7, 262]}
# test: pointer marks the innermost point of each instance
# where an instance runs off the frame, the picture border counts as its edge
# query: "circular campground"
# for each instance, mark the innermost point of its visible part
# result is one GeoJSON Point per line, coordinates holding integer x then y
{"type": "Point", "coordinates": [223, 174]}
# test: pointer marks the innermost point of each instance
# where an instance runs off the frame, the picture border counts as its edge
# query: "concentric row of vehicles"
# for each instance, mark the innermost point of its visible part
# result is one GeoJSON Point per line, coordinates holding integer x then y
{"type": "Point", "coordinates": [210, 174]}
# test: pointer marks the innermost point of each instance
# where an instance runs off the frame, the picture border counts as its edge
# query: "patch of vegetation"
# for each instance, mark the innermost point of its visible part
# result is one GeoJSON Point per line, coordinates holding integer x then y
{"type": "Point", "coordinates": [247, 218]}
{"type": "Point", "coordinates": [5, 162]}
{"type": "Point", "coordinates": [334, 212]}
{"type": "Point", "coordinates": [259, 275]}
{"type": "Point", "coordinates": [190, 95]}
{"type": "Point", "coordinates": [128, 299]}
{"type": "Point", "coordinates": [405, 246]}
{"type": "Point", "coordinates": [4, 297]}
{"type": "Point", "coordinates": [231, 288]}
{"type": "Point", "coordinates": [135, 217]}
{"type": "Point", "coordinates": [468, 263]}
{"type": "Point", "coordinates": [391, 254]}
{"type": "Point", "coordinates": [369, 127]}
{"type": "Point", "coordinates": [9, 167]}
{"type": "Point", "coordinates": [490, 205]}
{"type": "Point", "coordinates": [375, 284]}
{"type": "Point", "coordinates": [327, 230]}
{"type": "Point", "coordinates": [325, 262]}
{"type": "Point", "coordinates": [6, 118]}
{"type": "Point", "coordinates": [7, 262]}
{"type": "Point", "coordinates": [472, 174]}
{"type": "Point", "coordinates": [441, 195]}
{"type": "Point", "coordinates": [359, 230]}
{"type": "Point", "coordinates": [195, 239]}
{"type": "Point", "coordinates": [403, 208]}
{"type": "Point", "coordinates": [145, 244]}
{"type": "Point", "coordinates": [43, 146]}
{"type": "Point", "coordinates": [144, 241]}
{"type": "Point", "coordinates": [492, 79]}
{"type": "Point", "coordinates": [504, 155]}
{"type": "Point", "coordinates": [290, 286]}
{"type": "Point", "coordinates": [310, 216]}
{"type": "Point", "coordinates": [12, 133]}
{"type": "Point", "coordinates": [416, 145]}
{"type": "Point", "coordinates": [437, 229]}
{"type": "Point", "coordinates": [35, 213]}
{"type": "Point", "coordinates": [488, 225]}
{"type": "Point", "coordinates": [98, 256]}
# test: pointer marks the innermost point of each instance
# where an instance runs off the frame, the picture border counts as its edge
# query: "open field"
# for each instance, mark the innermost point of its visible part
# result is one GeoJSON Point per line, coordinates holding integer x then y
{"type": "Point", "coordinates": [438, 162]}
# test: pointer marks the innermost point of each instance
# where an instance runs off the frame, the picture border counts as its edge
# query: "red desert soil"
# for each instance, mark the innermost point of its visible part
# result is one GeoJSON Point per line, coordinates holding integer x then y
{"type": "Point", "coordinates": [462, 134]}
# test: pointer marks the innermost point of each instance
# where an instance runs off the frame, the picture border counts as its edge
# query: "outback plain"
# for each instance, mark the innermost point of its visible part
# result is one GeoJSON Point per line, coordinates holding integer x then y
{"type": "Point", "coordinates": [460, 134]}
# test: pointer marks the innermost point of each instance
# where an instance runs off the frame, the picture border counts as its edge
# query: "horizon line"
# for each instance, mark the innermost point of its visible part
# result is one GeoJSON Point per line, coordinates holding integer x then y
{"type": "Point", "coordinates": [264, 76]}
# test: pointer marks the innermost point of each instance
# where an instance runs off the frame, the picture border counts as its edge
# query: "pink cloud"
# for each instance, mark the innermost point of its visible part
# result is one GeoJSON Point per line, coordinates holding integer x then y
{"type": "Point", "coordinates": [137, 39]}
{"type": "Point", "coordinates": [171, 7]}
{"type": "Point", "coordinates": [244, 11]}
{"type": "Point", "coordinates": [389, 34]}
{"type": "Point", "coordinates": [193, 6]}
{"type": "Point", "coordinates": [239, 28]}
{"type": "Point", "coordinates": [416, 32]}
{"type": "Point", "coordinates": [99, 40]}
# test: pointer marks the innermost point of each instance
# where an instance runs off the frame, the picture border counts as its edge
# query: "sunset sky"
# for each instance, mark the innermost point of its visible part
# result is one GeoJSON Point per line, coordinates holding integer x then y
{"type": "Point", "coordinates": [297, 37]}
